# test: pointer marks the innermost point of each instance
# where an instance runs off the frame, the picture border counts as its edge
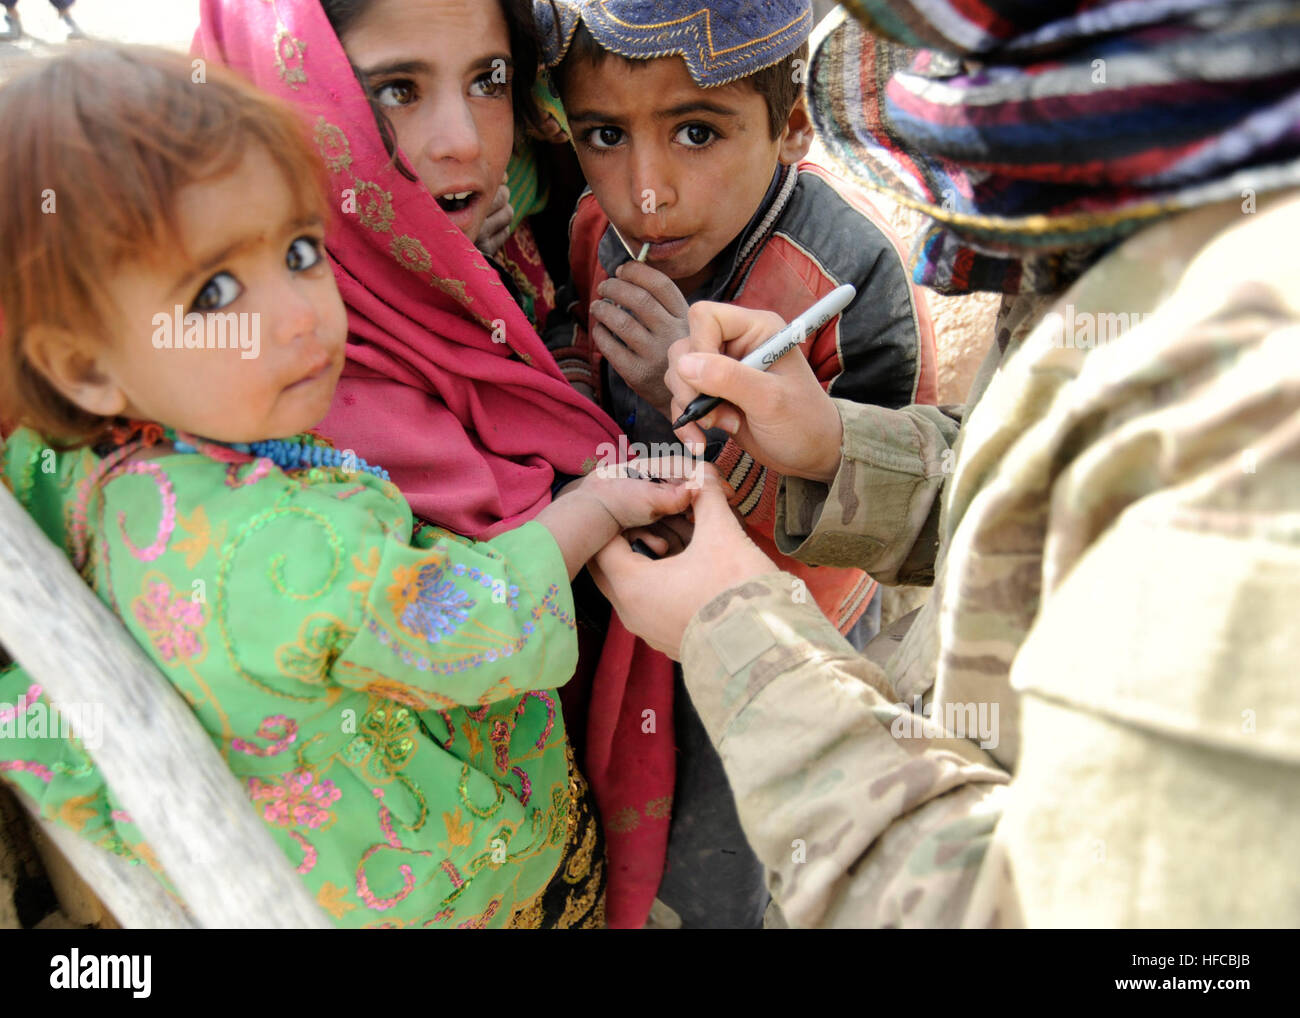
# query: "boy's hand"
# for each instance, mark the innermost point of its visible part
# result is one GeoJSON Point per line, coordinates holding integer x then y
{"type": "Point", "coordinates": [496, 228]}
{"type": "Point", "coordinates": [641, 315]}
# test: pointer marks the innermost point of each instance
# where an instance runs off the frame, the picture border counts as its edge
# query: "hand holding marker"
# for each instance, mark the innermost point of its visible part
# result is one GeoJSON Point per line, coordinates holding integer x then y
{"type": "Point", "coordinates": [765, 356]}
{"type": "Point", "coordinates": [778, 346]}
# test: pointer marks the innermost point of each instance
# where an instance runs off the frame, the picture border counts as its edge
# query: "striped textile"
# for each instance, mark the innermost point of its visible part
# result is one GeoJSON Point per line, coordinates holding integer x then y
{"type": "Point", "coordinates": [1035, 136]}
{"type": "Point", "coordinates": [529, 191]}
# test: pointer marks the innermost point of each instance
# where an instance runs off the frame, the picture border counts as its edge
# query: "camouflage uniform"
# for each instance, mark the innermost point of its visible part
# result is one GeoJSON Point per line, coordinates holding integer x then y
{"type": "Point", "coordinates": [1113, 536]}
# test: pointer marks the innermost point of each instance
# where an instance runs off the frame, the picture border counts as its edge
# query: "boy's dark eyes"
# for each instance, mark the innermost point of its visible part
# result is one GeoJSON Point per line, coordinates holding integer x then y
{"type": "Point", "coordinates": [217, 292]}
{"type": "Point", "coordinates": [691, 136]}
{"type": "Point", "coordinates": [696, 135]}
{"type": "Point", "coordinates": [303, 254]}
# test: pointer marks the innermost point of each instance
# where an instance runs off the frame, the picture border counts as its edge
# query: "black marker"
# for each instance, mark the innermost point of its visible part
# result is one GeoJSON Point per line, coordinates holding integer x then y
{"type": "Point", "coordinates": [641, 548]}
{"type": "Point", "coordinates": [778, 346]}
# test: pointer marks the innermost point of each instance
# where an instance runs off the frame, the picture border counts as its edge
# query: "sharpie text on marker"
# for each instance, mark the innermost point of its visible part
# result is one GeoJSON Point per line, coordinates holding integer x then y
{"type": "Point", "coordinates": [778, 346]}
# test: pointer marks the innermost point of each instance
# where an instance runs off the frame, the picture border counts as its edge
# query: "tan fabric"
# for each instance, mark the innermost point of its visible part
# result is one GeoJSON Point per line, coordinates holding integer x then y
{"type": "Point", "coordinates": [1114, 536]}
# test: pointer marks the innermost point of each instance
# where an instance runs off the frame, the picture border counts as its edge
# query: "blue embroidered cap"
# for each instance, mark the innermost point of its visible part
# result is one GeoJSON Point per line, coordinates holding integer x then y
{"type": "Point", "coordinates": [721, 40]}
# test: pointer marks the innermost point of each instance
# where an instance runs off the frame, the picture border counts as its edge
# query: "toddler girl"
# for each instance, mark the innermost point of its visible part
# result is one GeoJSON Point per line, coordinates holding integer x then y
{"type": "Point", "coordinates": [171, 329]}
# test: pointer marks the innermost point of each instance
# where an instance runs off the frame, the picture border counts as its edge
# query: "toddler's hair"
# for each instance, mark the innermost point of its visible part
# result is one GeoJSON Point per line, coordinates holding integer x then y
{"type": "Point", "coordinates": [95, 146]}
{"type": "Point", "coordinates": [778, 84]}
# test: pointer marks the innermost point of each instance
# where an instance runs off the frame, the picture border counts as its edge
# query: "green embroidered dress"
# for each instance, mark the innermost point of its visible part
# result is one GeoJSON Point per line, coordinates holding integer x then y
{"type": "Point", "coordinates": [386, 698]}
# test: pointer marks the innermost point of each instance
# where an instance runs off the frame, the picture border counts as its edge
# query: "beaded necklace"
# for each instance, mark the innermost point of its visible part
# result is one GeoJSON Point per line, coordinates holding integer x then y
{"type": "Point", "coordinates": [302, 453]}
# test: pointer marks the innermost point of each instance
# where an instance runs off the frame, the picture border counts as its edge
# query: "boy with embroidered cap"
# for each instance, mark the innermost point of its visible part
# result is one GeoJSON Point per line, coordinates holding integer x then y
{"type": "Point", "coordinates": [690, 124]}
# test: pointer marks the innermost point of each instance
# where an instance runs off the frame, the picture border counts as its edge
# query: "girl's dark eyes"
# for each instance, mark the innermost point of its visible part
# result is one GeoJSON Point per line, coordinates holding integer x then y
{"type": "Point", "coordinates": [395, 93]}
{"type": "Point", "coordinates": [219, 291]}
{"type": "Point", "coordinates": [303, 254]}
{"type": "Point", "coordinates": [492, 84]}
{"type": "Point", "coordinates": [604, 137]}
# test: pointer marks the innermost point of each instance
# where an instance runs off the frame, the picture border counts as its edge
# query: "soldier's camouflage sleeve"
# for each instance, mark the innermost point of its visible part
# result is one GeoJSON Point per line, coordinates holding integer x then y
{"type": "Point", "coordinates": [881, 513]}
{"type": "Point", "coordinates": [862, 813]}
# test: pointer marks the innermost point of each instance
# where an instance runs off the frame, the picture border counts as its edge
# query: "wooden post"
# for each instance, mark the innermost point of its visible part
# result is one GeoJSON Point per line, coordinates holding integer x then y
{"type": "Point", "coordinates": [130, 893]}
{"type": "Point", "coordinates": [159, 762]}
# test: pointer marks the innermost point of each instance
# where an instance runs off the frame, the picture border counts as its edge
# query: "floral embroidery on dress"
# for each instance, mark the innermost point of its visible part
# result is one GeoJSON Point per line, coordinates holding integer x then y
{"type": "Point", "coordinates": [288, 584]}
{"type": "Point", "coordinates": [297, 799]}
{"type": "Point", "coordinates": [502, 592]}
{"type": "Point", "coordinates": [483, 813]}
{"type": "Point", "coordinates": [366, 569]}
{"type": "Point", "coordinates": [426, 604]}
{"type": "Point", "coordinates": [9, 713]}
{"type": "Point", "coordinates": [391, 842]}
{"type": "Point", "coordinates": [386, 731]}
{"type": "Point", "coordinates": [29, 767]}
{"type": "Point", "coordinates": [167, 521]}
{"type": "Point", "coordinates": [321, 639]}
{"type": "Point", "coordinates": [204, 537]}
{"type": "Point", "coordinates": [459, 832]}
{"type": "Point", "coordinates": [245, 475]}
{"type": "Point", "coordinates": [521, 258]}
{"type": "Point", "coordinates": [330, 898]}
{"type": "Point", "coordinates": [545, 700]}
{"type": "Point", "coordinates": [376, 684]}
{"type": "Point", "coordinates": [280, 730]}
{"type": "Point", "coordinates": [172, 620]}
{"type": "Point", "coordinates": [480, 921]}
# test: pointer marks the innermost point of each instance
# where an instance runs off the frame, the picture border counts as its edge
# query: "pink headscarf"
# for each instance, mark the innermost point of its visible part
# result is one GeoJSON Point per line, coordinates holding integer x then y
{"type": "Point", "coordinates": [447, 384]}
{"type": "Point", "coordinates": [449, 388]}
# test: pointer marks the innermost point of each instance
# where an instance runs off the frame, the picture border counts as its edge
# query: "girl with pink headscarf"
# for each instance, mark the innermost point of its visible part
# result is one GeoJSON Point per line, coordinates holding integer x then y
{"type": "Point", "coordinates": [447, 382]}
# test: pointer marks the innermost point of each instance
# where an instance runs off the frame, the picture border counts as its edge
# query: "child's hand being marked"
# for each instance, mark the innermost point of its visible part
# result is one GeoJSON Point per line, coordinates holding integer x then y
{"type": "Point", "coordinates": [657, 600]}
{"type": "Point", "coordinates": [641, 314]}
{"type": "Point", "coordinates": [631, 497]}
{"type": "Point", "coordinates": [614, 498]}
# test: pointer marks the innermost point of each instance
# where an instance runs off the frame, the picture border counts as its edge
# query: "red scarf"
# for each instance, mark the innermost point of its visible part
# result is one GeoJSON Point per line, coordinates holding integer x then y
{"type": "Point", "coordinates": [451, 389]}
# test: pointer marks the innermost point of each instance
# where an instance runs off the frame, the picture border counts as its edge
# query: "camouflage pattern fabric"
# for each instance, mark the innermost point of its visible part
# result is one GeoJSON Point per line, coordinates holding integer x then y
{"type": "Point", "coordinates": [1107, 660]}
